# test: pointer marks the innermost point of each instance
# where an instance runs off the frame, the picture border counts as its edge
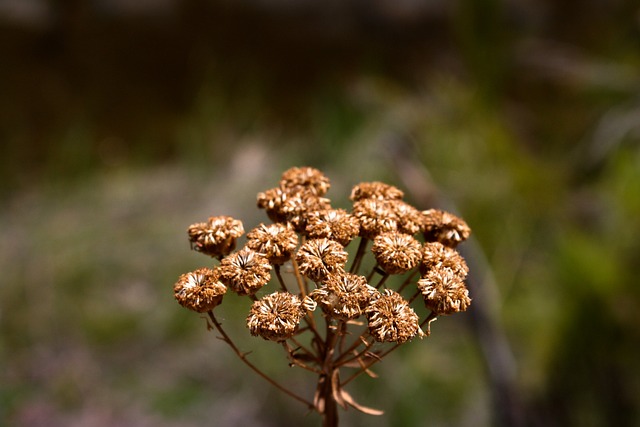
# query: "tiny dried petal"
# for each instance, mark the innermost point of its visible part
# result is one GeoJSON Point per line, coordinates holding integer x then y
{"type": "Point", "coordinates": [276, 241]}
{"type": "Point", "coordinates": [318, 258]}
{"type": "Point", "coordinates": [344, 295]}
{"type": "Point", "coordinates": [199, 290]}
{"type": "Point", "coordinates": [245, 271]}
{"type": "Point", "coordinates": [391, 319]}
{"type": "Point", "coordinates": [376, 216]}
{"type": "Point", "coordinates": [217, 236]}
{"type": "Point", "coordinates": [375, 190]}
{"type": "Point", "coordinates": [275, 317]}
{"type": "Point", "coordinates": [305, 179]}
{"type": "Point", "coordinates": [437, 255]}
{"type": "Point", "coordinates": [396, 252]}
{"type": "Point", "coordinates": [444, 292]}
{"type": "Point", "coordinates": [334, 224]}
{"type": "Point", "coordinates": [444, 227]}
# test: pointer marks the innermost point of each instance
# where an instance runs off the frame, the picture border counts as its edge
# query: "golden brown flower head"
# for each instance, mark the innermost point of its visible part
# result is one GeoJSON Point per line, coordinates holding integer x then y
{"type": "Point", "coordinates": [291, 207]}
{"type": "Point", "coordinates": [376, 216]}
{"type": "Point", "coordinates": [437, 255]}
{"type": "Point", "coordinates": [245, 271]}
{"type": "Point", "coordinates": [375, 190]}
{"type": "Point", "coordinates": [217, 236]}
{"type": "Point", "coordinates": [444, 291]}
{"type": "Point", "coordinates": [199, 290]}
{"type": "Point", "coordinates": [410, 219]}
{"type": "Point", "coordinates": [333, 224]}
{"type": "Point", "coordinates": [305, 179]}
{"type": "Point", "coordinates": [275, 317]}
{"type": "Point", "coordinates": [317, 258]}
{"type": "Point", "coordinates": [276, 241]}
{"type": "Point", "coordinates": [444, 227]}
{"type": "Point", "coordinates": [391, 319]}
{"type": "Point", "coordinates": [344, 295]}
{"type": "Point", "coordinates": [396, 252]}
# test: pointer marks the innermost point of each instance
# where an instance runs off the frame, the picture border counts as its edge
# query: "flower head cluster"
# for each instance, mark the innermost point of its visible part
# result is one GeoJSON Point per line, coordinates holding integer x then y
{"type": "Point", "coordinates": [275, 317]}
{"type": "Point", "coordinates": [199, 290]}
{"type": "Point", "coordinates": [217, 236]}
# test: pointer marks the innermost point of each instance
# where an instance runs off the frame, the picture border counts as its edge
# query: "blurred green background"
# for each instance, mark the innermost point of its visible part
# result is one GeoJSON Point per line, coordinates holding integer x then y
{"type": "Point", "coordinates": [121, 123]}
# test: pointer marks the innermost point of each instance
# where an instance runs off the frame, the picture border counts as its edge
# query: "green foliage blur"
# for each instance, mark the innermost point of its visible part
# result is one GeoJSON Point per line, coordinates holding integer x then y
{"type": "Point", "coordinates": [120, 126]}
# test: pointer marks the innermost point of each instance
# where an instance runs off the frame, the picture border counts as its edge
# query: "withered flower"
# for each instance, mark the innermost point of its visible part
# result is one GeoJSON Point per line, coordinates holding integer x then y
{"type": "Point", "coordinates": [410, 219]}
{"type": "Point", "coordinates": [305, 179]}
{"type": "Point", "coordinates": [217, 236]}
{"type": "Point", "coordinates": [245, 271]}
{"type": "Point", "coordinates": [444, 291]}
{"type": "Point", "coordinates": [276, 241]}
{"type": "Point", "coordinates": [275, 316]}
{"type": "Point", "coordinates": [391, 319]}
{"type": "Point", "coordinates": [375, 190]}
{"type": "Point", "coordinates": [317, 258]}
{"type": "Point", "coordinates": [376, 216]}
{"type": "Point", "coordinates": [444, 227]}
{"type": "Point", "coordinates": [396, 252]}
{"type": "Point", "coordinates": [199, 290]}
{"type": "Point", "coordinates": [437, 255]}
{"type": "Point", "coordinates": [333, 224]}
{"type": "Point", "coordinates": [344, 295]}
{"type": "Point", "coordinates": [292, 207]}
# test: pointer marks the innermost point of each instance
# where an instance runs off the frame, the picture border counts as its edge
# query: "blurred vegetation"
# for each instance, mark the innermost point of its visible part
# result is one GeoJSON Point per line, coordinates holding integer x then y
{"type": "Point", "coordinates": [120, 127]}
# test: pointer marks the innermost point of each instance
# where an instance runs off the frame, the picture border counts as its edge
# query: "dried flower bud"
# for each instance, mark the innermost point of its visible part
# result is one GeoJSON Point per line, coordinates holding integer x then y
{"type": "Point", "coordinates": [376, 216]}
{"type": "Point", "coordinates": [444, 227]}
{"type": "Point", "coordinates": [275, 317]}
{"type": "Point", "coordinates": [444, 291]}
{"type": "Point", "coordinates": [375, 190]}
{"type": "Point", "coordinates": [285, 207]}
{"type": "Point", "coordinates": [276, 241]}
{"type": "Point", "coordinates": [344, 295]}
{"type": "Point", "coordinates": [333, 224]}
{"type": "Point", "coordinates": [217, 236]}
{"type": "Point", "coordinates": [318, 258]}
{"type": "Point", "coordinates": [305, 179]}
{"type": "Point", "coordinates": [396, 252]}
{"type": "Point", "coordinates": [436, 255]}
{"type": "Point", "coordinates": [245, 271]}
{"type": "Point", "coordinates": [199, 290]}
{"type": "Point", "coordinates": [391, 319]}
{"type": "Point", "coordinates": [410, 219]}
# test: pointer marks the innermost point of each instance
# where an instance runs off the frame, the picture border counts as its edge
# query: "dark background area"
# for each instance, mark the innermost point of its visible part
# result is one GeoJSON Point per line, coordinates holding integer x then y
{"type": "Point", "coordinates": [121, 123]}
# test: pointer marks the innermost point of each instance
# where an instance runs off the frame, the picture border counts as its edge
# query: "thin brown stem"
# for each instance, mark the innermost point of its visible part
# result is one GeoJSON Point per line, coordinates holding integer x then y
{"type": "Point", "coordinates": [359, 255]}
{"type": "Point", "coordinates": [366, 367]}
{"type": "Point", "coordinates": [283, 285]}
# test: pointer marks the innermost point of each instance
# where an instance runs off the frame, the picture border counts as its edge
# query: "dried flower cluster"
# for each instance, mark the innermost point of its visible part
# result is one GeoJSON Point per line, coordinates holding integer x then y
{"type": "Point", "coordinates": [306, 240]}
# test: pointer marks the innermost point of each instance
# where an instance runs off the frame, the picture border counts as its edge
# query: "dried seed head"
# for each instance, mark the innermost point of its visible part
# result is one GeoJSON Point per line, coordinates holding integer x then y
{"type": "Point", "coordinates": [276, 241]}
{"type": "Point", "coordinates": [217, 236]}
{"type": "Point", "coordinates": [410, 219]}
{"type": "Point", "coordinates": [305, 179]}
{"type": "Point", "coordinates": [376, 216]}
{"type": "Point", "coordinates": [391, 319]}
{"type": "Point", "coordinates": [245, 271]}
{"type": "Point", "coordinates": [199, 290]}
{"type": "Point", "coordinates": [375, 190]}
{"type": "Point", "coordinates": [436, 255]}
{"type": "Point", "coordinates": [333, 224]}
{"type": "Point", "coordinates": [318, 258]}
{"type": "Point", "coordinates": [275, 317]}
{"type": "Point", "coordinates": [444, 227]}
{"type": "Point", "coordinates": [444, 291]}
{"type": "Point", "coordinates": [344, 295]}
{"type": "Point", "coordinates": [396, 252]}
{"type": "Point", "coordinates": [291, 207]}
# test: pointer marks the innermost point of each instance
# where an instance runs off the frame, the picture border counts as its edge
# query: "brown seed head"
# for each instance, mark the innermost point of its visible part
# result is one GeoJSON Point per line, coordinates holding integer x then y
{"type": "Point", "coordinates": [245, 271]}
{"type": "Point", "coordinates": [305, 179]}
{"type": "Point", "coordinates": [275, 317]}
{"type": "Point", "coordinates": [199, 290]}
{"type": "Point", "coordinates": [375, 190]}
{"type": "Point", "coordinates": [276, 241]}
{"type": "Point", "coordinates": [344, 295]}
{"type": "Point", "coordinates": [291, 207]}
{"type": "Point", "coordinates": [333, 224]}
{"type": "Point", "coordinates": [217, 236]}
{"type": "Point", "coordinates": [443, 291]}
{"type": "Point", "coordinates": [436, 255]}
{"type": "Point", "coordinates": [396, 252]}
{"type": "Point", "coordinates": [444, 227]}
{"type": "Point", "coordinates": [391, 319]}
{"type": "Point", "coordinates": [376, 216]}
{"type": "Point", "coordinates": [410, 219]}
{"type": "Point", "coordinates": [318, 258]}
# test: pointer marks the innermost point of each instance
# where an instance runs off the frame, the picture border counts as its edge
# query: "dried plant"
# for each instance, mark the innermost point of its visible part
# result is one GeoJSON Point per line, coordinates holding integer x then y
{"type": "Point", "coordinates": [359, 322]}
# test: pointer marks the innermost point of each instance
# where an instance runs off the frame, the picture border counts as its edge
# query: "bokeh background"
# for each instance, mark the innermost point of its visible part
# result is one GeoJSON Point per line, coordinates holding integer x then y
{"type": "Point", "coordinates": [123, 122]}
